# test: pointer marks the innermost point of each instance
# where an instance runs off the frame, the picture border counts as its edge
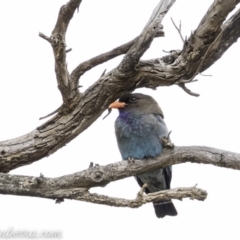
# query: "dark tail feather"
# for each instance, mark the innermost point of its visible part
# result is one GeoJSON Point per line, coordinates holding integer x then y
{"type": "Point", "coordinates": [164, 208]}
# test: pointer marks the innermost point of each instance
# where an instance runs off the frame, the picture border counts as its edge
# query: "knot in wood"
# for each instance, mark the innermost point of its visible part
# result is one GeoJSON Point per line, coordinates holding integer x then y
{"type": "Point", "coordinates": [97, 176]}
{"type": "Point", "coordinates": [4, 150]}
{"type": "Point", "coordinates": [38, 180]}
{"type": "Point", "coordinates": [51, 183]}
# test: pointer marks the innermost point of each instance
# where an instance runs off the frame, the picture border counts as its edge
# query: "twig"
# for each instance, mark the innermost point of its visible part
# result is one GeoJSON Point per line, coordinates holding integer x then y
{"type": "Point", "coordinates": [68, 50]}
{"type": "Point", "coordinates": [109, 111]}
{"type": "Point", "coordinates": [50, 114]}
{"type": "Point", "coordinates": [103, 73]}
{"type": "Point", "coordinates": [171, 51]}
{"type": "Point", "coordinates": [166, 51]}
{"type": "Point", "coordinates": [142, 190]}
{"type": "Point", "coordinates": [178, 29]}
{"type": "Point", "coordinates": [141, 199]}
{"type": "Point", "coordinates": [45, 37]}
{"type": "Point", "coordinates": [182, 85]}
{"type": "Point", "coordinates": [205, 75]}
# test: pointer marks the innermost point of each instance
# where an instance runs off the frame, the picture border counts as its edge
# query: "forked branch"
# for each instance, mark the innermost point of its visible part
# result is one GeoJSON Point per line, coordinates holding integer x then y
{"type": "Point", "coordinates": [211, 39]}
{"type": "Point", "coordinates": [76, 186]}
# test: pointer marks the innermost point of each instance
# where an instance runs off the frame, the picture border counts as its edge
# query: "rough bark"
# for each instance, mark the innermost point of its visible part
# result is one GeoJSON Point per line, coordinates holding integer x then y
{"type": "Point", "coordinates": [209, 41]}
{"type": "Point", "coordinates": [203, 48]}
{"type": "Point", "coordinates": [76, 186]}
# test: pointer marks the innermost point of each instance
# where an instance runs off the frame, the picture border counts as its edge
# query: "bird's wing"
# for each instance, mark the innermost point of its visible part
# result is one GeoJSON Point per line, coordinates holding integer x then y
{"type": "Point", "coordinates": [168, 175]}
{"type": "Point", "coordinates": [167, 171]}
{"type": "Point", "coordinates": [162, 130]}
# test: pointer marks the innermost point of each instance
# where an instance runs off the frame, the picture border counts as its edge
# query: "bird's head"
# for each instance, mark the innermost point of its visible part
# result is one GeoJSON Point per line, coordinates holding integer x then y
{"type": "Point", "coordinates": [137, 103]}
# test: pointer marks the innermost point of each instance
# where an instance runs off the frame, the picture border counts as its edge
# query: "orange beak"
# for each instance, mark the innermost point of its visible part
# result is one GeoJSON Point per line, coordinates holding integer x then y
{"type": "Point", "coordinates": [117, 105]}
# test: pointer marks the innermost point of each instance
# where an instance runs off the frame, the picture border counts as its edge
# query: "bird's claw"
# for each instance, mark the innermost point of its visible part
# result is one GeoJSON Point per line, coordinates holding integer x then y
{"type": "Point", "coordinates": [167, 142]}
{"type": "Point", "coordinates": [131, 160]}
{"type": "Point", "coordinates": [92, 165]}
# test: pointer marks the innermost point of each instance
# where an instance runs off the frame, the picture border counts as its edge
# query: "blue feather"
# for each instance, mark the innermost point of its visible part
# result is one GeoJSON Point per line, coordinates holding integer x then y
{"type": "Point", "coordinates": [140, 137]}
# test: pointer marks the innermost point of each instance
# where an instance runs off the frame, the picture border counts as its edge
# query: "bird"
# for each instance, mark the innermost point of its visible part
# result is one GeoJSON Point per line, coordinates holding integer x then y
{"type": "Point", "coordinates": [139, 129]}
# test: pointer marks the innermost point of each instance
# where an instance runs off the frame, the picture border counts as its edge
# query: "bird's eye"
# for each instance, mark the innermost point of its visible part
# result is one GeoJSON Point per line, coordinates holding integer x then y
{"type": "Point", "coordinates": [132, 99]}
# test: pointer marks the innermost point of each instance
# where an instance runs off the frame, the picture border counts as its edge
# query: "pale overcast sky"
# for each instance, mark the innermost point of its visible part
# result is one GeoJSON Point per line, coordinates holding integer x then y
{"type": "Point", "coordinates": [29, 91]}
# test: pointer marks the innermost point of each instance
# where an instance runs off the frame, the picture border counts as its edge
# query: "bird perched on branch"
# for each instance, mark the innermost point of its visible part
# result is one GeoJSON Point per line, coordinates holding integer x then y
{"type": "Point", "coordinates": [139, 129]}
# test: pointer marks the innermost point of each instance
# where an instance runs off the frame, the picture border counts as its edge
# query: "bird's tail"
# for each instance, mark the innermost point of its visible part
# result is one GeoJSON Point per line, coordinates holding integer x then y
{"type": "Point", "coordinates": [164, 208]}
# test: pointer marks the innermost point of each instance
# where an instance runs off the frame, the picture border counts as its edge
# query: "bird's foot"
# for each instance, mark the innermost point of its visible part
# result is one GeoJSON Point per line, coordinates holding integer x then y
{"type": "Point", "coordinates": [131, 160]}
{"type": "Point", "coordinates": [167, 142]}
{"type": "Point", "coordinates": [92, 165]}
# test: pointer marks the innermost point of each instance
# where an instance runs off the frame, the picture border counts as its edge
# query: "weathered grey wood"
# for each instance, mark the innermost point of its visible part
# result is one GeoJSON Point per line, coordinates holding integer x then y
{"type": "Point", "coordinates": [130, 61]}
{"type": "Point", "coordinates": [80, 111]}
{"type": "Point", "coordinates": [75, 186]}
{"type": "Point", "coordinates": [65, 84]}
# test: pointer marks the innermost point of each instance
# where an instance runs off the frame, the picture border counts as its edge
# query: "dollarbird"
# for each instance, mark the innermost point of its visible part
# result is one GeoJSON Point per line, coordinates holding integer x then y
{"type": "Point", "coordinates": [139, 129]}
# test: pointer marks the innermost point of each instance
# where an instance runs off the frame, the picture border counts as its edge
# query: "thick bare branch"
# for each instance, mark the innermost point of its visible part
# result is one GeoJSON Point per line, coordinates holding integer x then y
{"type": "Point", "coordinates": [183, 66]}
{"type": "Point", "coordinates": [84, 110]}
{"type": "Point", "coordinates": [205, 35]}
{"type": "Point", "coordinates": [102, 175]}
{"type": "Point", "coordinates": [33, 188]}
{"type": "Point", "coordinates": [104, 57]}
{"type": "Point", "coordinates": [58, 43]}
{"type": "Point", "coordinates": [75, 186]}
{"type": "Point", "coordinates": [229, 35]}
{"type": "Point", "coordinates": [64, 17]}
{"type": "Point", "coordinates": [143, 42]}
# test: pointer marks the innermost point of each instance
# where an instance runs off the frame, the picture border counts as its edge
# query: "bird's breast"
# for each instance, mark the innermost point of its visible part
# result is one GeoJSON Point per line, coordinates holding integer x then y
{"type": "Point", "coordinates": [139, 137]}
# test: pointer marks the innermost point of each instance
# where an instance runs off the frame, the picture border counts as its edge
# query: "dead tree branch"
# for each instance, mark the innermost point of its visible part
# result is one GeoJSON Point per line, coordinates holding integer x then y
{"type": "Point", "coordinates": [58, 43]}
{"type": "Point", "coordinates": [104, 57]}
{"type": "Point", "coordinates": [75, 186]}
{"type": "Point", "coordinates": [84, 195]}
{"type": "Point", "coordinates": [229, 35]}
{"type": "Point", "coordinates": [176, 193]}
{"type": "Point", "coordinates": [82, 110]}
{"type": "Point", "coordinates": [179, 29]}
{"type": "Point", "coordinates": [128, 65]}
